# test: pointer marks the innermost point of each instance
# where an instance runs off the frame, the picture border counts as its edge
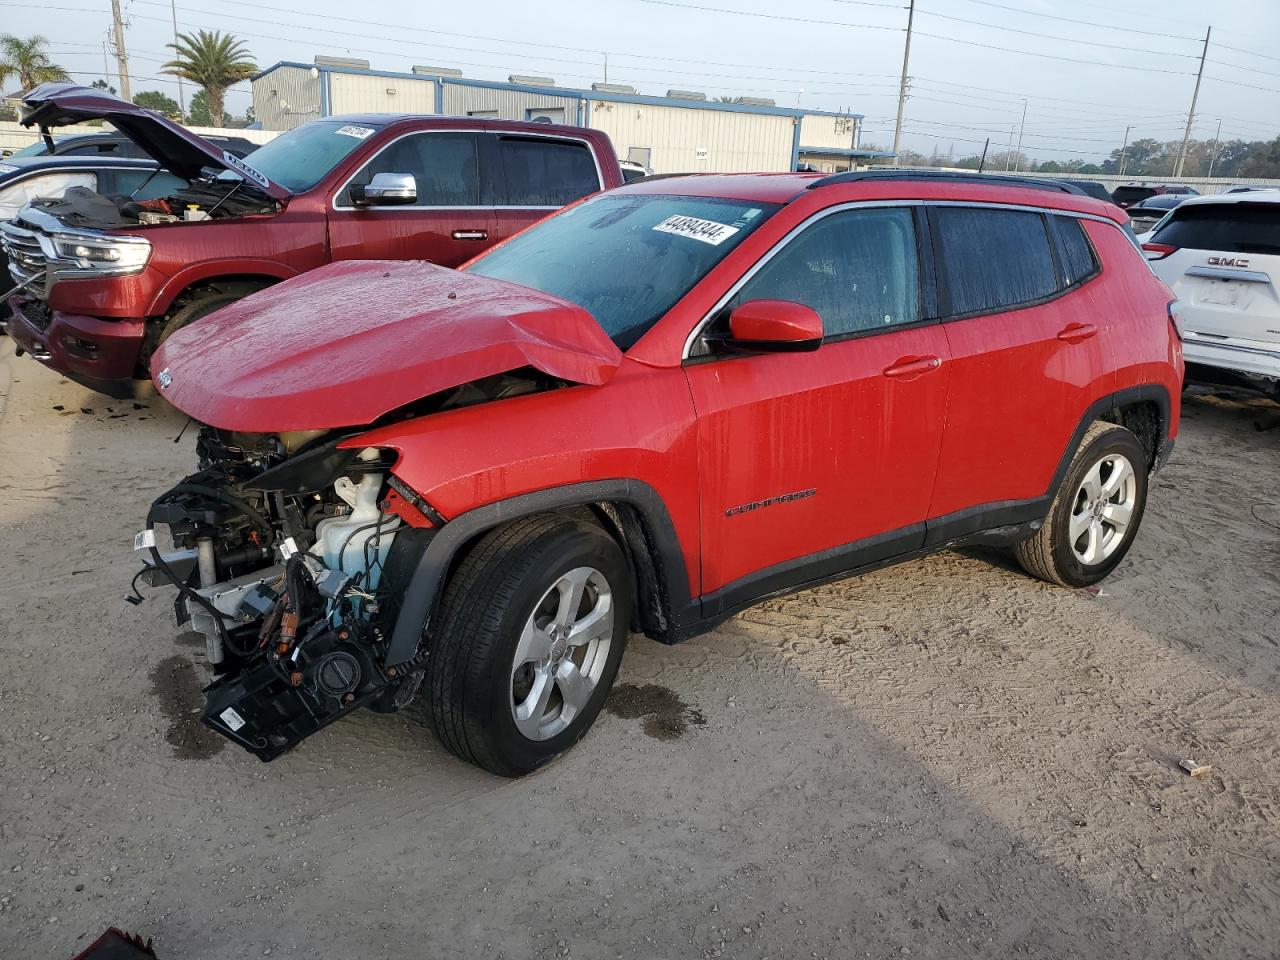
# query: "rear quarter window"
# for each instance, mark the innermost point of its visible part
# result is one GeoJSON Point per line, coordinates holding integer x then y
{"type": "Point", "coordinates": [543, 172]}
{"type": "Point", "coordinates": [1225, 227]}
{"type": "Point", "coordinates": [1074, 252]}
{"type": "Point", "coordinates": [993, 259]}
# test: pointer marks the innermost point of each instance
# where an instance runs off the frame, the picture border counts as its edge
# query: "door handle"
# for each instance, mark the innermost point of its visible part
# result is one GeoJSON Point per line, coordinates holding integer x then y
{"type": "Point", "coordinates": [908, 368]}
{"type": "Point", "coordinates": [471, 234]}
{"type": "Point", "coordinates": [1076, 332]}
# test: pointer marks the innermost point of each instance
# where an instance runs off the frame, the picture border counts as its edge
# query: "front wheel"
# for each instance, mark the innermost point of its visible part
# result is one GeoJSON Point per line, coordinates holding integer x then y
{"type": "Point", "coordinates": [1095, 514]}
{"type": "Point", "coordinates": [532, 630]}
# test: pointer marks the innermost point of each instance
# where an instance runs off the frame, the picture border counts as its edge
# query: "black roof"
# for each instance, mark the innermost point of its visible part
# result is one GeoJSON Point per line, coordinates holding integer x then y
{"type": "Point", "coordinates": [1034, 183]}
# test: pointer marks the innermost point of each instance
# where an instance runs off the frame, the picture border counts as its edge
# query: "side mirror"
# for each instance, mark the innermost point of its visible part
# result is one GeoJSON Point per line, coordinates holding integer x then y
{"type": "Point", "coordinates": [774, 326]}
{"type": "Point", "coordinates": [386, 190]}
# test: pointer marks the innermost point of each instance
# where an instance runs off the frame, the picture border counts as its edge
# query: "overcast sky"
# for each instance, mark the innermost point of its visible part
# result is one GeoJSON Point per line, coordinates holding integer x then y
{"type": "Point", "coordinates": [1087, 69]}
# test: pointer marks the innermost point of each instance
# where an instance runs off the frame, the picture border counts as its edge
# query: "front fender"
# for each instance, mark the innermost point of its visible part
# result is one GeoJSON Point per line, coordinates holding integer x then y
{"type": "Point", "coordinates": [214, 270]}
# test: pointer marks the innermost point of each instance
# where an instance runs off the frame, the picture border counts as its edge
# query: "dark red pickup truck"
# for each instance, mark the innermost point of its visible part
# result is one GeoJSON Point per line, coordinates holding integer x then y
{"type": "Point", "coordinates": [103, 280]}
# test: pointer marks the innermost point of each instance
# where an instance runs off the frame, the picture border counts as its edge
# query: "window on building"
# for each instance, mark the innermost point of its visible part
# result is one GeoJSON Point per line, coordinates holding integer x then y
{"type": "Point", "coordinates": [859, 270]}
{"type": "Point", "coordinates": [545, 114]}
{"type": "Point", "coordinates": [446, 167]}
{"type": "Point", "coordinates": [544, 172]}
{"type": "Point", "coordinates": [993, 259]}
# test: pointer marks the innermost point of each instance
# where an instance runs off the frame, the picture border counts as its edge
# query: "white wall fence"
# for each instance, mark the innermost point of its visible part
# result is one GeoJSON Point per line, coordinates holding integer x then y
{"type": "Point", "coordinates": [1203, 185]}
{"type": "Point", "coordinates": [14, 136]}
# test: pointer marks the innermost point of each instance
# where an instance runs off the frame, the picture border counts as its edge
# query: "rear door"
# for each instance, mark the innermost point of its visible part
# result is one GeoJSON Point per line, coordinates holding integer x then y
{"type": "Point", "coordinates": [1223, 263]}
{"type": "Point", "coordinates": [452, 219]}
{"type": "Point", "coordinates": [812, 463]}
{"type": "Point", "coordinates": [539, 175]}
{"type": "Point", "coordinates": [1027, 361]}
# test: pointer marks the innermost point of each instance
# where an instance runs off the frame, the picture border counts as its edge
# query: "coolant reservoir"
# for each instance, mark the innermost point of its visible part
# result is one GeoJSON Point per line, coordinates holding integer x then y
{"type": "Point", "coordinates": [341, 541]}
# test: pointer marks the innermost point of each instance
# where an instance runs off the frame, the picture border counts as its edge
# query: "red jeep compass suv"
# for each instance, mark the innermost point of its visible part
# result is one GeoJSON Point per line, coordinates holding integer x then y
{"type": "Point", "coordinates": [645, 413]}
{"type": "Point", "coordinates": [103, 279]}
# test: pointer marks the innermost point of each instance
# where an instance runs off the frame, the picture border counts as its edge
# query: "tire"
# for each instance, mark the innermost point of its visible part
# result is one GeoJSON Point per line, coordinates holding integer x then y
{"type": "Point", "coordinates": [1100, 542]}
{"type": "Point", "coordinates": [193, 311]}
{"type": "Point", "coordinates": [507, 586]}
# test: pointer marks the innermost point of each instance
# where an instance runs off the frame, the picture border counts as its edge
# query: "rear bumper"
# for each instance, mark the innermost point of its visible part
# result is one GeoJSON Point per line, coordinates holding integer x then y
{"type": "Point", "coordinates": [1260, 360]}
{"type": "Point", "coordinates": [100, 354]}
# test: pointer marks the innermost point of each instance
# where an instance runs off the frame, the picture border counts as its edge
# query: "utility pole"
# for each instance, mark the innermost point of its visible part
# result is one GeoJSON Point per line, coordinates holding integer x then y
{"type": "Point", "coordinates": [606, 66]}
{"type": "Point", "coordinates": [122, 58]}
{"type": "Point", "coordinates": [1008, 153]}
{"type": "Point", "coordinates": [1017, 156]}
{"type": "Point", "coordinates": [902, 85]}
{"type": "Point", "coordinates": [1124, 150]}
{"type": "Point", "coordinates": [1191, 114]}
{"type": "Point", "coordinates": [1217, 142]}
{"type": "Point", "coordinates": [182, 95]}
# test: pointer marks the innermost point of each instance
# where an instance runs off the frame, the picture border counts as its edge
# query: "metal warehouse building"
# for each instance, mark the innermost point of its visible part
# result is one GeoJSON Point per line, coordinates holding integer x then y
{"type": "Point", "coordinates": [680, 133]}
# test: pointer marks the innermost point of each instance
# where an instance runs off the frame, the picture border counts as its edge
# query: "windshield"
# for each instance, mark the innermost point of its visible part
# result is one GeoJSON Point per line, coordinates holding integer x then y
{"type": "Point", "coordinates": [302, 157]}
{"type": "Point", "coordinates": [625, 258]}
{"type": "Point", "coordinates": [36, 149]}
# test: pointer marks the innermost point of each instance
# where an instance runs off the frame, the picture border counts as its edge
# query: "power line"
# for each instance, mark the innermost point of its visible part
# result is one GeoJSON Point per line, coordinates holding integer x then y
{"type": "Point", "coordinates": [1049, 36]}
{"type": "Point", "coordinates": [1048, 56]}
{"type": "Point", "coordinates": [778, 16]}
{"type": "Point", "coordinates": [1085, 23]}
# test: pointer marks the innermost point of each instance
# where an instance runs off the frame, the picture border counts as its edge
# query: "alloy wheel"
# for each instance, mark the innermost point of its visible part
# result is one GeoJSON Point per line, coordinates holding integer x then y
{"type": "Point", "coordinates": [1102, 509]}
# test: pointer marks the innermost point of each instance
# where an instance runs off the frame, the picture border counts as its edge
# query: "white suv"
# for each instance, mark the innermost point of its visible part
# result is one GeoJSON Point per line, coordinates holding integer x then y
{"type": "Point", "coordinates": [1221, 257]}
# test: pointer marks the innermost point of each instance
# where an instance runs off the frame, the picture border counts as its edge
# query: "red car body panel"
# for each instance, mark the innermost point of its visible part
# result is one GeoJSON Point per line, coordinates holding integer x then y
{"type": "Point", "coordinates": [309, 231]}
{"type": "Point", "coordinates": [367, 338]}
{"type": "Point", "coordinates": [763, 461]}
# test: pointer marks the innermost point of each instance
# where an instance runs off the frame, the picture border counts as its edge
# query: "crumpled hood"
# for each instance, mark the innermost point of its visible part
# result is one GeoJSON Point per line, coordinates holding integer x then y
{"type": "Point", "coordinates": [178, 150]}
{"type": "Point", "coordinates": [343, 345]}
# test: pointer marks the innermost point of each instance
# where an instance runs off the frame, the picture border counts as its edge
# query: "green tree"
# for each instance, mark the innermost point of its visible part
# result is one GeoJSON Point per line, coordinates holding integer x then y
{"type": "Point", "coordinates": [28, 61]}
{"type": "Point", "coordinates": [198, 111]}
{"type": "Point", "coordinates": [215, 61]}
{"type": "Point", "coordinates": [103, 85]}
{"type": "Point", "coordinates": [161, 103]}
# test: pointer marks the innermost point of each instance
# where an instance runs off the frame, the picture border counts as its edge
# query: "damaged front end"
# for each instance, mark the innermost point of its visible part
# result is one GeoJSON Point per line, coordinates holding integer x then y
{"type": "Point", "coordinates": [290, 555]}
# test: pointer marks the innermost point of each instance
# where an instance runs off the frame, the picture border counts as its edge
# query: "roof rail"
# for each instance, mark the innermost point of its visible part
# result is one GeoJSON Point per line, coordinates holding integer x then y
{"type": "Point", "coordinates": [1033, 183]}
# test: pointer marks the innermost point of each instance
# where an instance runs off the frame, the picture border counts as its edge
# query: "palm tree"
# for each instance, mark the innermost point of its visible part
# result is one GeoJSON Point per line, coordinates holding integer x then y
{"type": "Point", "coordinates": [27, 60]}
{"type": "Point", "coordinates": [215, 61]}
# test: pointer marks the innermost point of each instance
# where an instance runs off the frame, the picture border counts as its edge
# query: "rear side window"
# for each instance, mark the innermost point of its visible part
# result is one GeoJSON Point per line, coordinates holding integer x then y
{"type": "Point", "coordinates": [1073, 250]}
{"type": "Point", "coordinates": [542, 172]}
{"type": "Point", "coordinates": [858, 270]}
{"type": "Point", "coordinates": [1225, 227]}
{"type": "Point", "coordinates": [993, 259]}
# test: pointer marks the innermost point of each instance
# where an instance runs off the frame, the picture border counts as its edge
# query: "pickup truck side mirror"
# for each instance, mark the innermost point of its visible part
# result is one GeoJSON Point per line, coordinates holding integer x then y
{"type": "Point", "coordinates": [386, 190]}
{"type": "Point", "coordinates": [774, 326]}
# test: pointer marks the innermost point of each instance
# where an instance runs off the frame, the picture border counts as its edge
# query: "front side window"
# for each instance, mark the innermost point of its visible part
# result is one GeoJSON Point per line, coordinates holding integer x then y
{"type": "Point", "coordinates": [304, 156]}
{"type": "Point", "coordinates": [993, 259]}
{"type": "Point", "coordinates": [542, 172]}
{"type": "Point", "coordinates": [626, 259]}
{"type": "Point", "coordinates": [859, 271]}
{"type": "Point", "coordinates": [446, 167]}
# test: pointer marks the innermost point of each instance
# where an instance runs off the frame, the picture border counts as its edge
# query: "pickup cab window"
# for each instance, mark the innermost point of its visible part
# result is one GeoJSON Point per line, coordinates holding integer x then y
{"type": "Point", "coordinates": [446, 167]}
{"type": "Point", "coordinates": [545, 172]}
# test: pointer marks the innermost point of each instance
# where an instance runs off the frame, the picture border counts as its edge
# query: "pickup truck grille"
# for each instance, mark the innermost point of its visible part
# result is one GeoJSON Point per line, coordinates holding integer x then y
{"type": "Point", "coordinates": [26, 257]}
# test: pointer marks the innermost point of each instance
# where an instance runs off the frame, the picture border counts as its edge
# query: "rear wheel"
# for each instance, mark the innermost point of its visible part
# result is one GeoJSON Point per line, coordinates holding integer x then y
{"type": "Point", "coordinates": [532, 630]}
{"type": "Point", "coordinates": [1095, 514]}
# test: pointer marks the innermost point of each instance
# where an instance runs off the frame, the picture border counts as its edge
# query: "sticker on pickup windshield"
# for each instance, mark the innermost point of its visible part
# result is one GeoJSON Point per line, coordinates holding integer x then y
{"type": "Point", "coordinates": [708, 231]}
{"type": "Point", "coordinates": [233, 162]}
{"type": "Point", "coordinates": [351, 130]}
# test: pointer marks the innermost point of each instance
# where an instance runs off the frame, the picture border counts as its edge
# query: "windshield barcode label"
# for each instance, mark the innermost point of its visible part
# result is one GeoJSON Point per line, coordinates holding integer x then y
{"type": "Point", "coordinates": [708, 231]}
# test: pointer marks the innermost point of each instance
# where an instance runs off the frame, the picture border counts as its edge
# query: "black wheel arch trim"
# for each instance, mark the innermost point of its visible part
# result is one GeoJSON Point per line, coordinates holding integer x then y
{"type": "Point", "coordinates": [426, 586]}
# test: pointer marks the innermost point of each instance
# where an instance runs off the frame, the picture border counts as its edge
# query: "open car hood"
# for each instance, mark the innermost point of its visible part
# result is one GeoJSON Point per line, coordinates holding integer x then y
{"type": "Point", "coordinates": [178, 150]}
{"type": "Point", "coordinates": [345, 344]}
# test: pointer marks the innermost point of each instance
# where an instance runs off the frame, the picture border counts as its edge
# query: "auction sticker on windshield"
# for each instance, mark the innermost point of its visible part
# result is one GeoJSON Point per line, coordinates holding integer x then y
{"type": "Point", "coordinates": [351, 130]}
{"type": "Point", "coordinates": [708, 231]}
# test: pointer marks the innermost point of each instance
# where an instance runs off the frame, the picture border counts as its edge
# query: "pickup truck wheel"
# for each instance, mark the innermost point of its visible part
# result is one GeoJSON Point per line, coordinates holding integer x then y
{"type": "Point", "coordinates": [532, 630]}
{"type": "Point", "coordinates": [1095, 514]}
{"type": "Point", "coordinates": [193, 311]}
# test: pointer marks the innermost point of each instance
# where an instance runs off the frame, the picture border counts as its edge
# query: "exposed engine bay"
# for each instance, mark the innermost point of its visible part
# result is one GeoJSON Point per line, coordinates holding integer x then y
{"type": "Point", "coordinates": [81, 207]}
{"type": "Point", "coordinates": [291, 556]}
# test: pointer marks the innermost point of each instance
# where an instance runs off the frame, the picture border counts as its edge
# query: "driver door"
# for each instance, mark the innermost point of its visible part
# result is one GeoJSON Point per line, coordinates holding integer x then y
{"type": "Point", "coordinates": [452, 219]}
{"type": "Point", "coordinates": [813, 463]}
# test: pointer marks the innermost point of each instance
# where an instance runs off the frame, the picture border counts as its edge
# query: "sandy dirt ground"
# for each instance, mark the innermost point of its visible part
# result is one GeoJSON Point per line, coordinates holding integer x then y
{"type": "Point", "coordinates": [943, 759]}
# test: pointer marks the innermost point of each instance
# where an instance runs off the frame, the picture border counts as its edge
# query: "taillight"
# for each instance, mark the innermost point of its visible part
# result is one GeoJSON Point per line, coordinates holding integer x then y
{"type": "Point", "coordinates": [1175, 318]}
{"type": "Point", "coordinates": [1158, 251]}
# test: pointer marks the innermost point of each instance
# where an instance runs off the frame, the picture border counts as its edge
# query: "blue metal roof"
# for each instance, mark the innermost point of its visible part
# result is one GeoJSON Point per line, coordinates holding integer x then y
{"type": "Point", "coordinates": [845, 152]}
{"type": "Point", "coordinates": [570, 92]}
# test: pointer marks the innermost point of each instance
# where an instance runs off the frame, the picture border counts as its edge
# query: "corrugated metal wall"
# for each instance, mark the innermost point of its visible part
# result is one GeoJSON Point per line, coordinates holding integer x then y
{"type": "Point", "coordinates": [286, 85]}
{"type": "Point", "coordinates": [832, 132]}
{"type": "Point", "coordinates": [462, 101]}
{"type": "Point", "coordinates": [690, 140]}
{"type": "Point", "coordinates": [361, 93]}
